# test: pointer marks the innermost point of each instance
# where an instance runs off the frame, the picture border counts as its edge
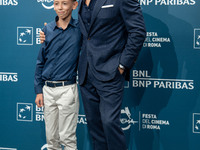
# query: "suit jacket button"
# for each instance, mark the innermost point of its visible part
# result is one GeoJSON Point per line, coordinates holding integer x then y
{"type": "Point", "coordinates": [88, 38]}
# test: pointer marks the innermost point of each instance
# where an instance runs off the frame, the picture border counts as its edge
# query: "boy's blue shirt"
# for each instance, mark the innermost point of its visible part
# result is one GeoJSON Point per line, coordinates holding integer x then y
{"type": "Point", "coordinates": [58, 57]}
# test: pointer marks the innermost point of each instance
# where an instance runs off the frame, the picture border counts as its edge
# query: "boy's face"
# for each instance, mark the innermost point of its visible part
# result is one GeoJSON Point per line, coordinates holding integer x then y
{"type": "Point", "coordinates": [64, 8]}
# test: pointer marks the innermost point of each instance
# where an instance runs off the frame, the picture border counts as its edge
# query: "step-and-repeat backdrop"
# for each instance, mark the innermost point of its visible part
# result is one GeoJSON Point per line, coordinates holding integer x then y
{"type": "Point", "coordinates": [161, 107]}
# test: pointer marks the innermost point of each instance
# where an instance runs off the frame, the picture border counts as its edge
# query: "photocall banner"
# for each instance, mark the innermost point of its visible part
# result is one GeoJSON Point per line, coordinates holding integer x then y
{"type": "Point", "coordinates": [161, 106]}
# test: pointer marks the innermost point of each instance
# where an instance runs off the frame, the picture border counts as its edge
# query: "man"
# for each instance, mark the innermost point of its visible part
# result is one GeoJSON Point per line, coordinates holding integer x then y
{"type": "Point", "coordinates": [113, 34]}
{"type": "Point", "coordinates": [55, 77]}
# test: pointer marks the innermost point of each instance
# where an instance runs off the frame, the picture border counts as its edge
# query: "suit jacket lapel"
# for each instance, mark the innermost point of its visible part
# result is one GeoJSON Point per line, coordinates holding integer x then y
{"type": "Point", "coordinates": [96, 10]}
{"type": "Point", "coordinates": [81, 24]}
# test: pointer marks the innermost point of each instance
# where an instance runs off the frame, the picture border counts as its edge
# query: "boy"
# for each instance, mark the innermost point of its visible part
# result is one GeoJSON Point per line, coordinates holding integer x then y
{"type": "Point", "coordinates": [55, 77]}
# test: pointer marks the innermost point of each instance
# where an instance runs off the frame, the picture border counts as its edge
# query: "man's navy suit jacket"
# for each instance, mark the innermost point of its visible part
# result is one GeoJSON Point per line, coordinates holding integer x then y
{"type": "Point", "coordinates": [115, 36]}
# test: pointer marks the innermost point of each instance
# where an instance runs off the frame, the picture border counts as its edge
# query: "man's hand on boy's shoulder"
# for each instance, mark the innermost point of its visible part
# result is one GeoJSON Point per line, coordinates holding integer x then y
{"type": "Point", "coordinates": [42, 36]}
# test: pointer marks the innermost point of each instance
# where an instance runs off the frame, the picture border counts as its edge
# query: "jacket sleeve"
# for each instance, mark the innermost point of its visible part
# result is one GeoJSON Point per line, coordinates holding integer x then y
{"type": "Point", "coordinates": [38, 81]}
{"type": "Point", "coordinates": [134, 23]}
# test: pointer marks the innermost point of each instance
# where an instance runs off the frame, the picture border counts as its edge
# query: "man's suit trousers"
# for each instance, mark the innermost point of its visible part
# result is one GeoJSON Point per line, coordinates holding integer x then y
{"type": "Point", "coordinates": [102, 104]}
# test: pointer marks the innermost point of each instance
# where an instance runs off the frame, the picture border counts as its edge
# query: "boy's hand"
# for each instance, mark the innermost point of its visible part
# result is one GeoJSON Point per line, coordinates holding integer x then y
{"type": "Point", "coordinates": [39, 100]}
{"type": "Point", "coordinates": [42, 36]}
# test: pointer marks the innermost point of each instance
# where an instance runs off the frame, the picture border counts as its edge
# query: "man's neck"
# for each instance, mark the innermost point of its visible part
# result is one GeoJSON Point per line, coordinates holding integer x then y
{"type": "Point", "coordinates": [63, 23]}
{"type": "Point", "coordinates": [87, 2]}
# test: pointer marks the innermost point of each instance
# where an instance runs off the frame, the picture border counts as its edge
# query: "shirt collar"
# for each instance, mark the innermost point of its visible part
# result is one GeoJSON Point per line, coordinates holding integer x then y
{"type": "Point", "coordinates": [72, 23]}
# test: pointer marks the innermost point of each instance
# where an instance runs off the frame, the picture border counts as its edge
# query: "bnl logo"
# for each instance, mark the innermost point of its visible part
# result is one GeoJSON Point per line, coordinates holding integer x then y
{"type": "Point", "coordinates": [24, 35]}
{"type": "Point", "coordinates": [126, 120]}
{"type": "Point", "coordinates": [196, 122]}
{"type": "Point", "coordinates": [24, 112]}
{"type": "Point", "coordinates": [197, 38]}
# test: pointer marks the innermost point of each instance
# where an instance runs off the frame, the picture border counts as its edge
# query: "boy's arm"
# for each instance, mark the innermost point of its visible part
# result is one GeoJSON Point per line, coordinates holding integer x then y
{"type": "Point", "coordinates": [38, 81]}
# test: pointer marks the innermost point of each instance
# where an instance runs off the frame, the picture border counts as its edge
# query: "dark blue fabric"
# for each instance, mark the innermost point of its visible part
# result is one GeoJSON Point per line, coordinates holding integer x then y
{"type": "Point", "coordinates": [115, 36]}
{"type": "Point", "coordinates": [58, 56]}
{"type": "Point", "coordinates": [86, 13]}
{"type": "Point", "coordinates": [102, 102]}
